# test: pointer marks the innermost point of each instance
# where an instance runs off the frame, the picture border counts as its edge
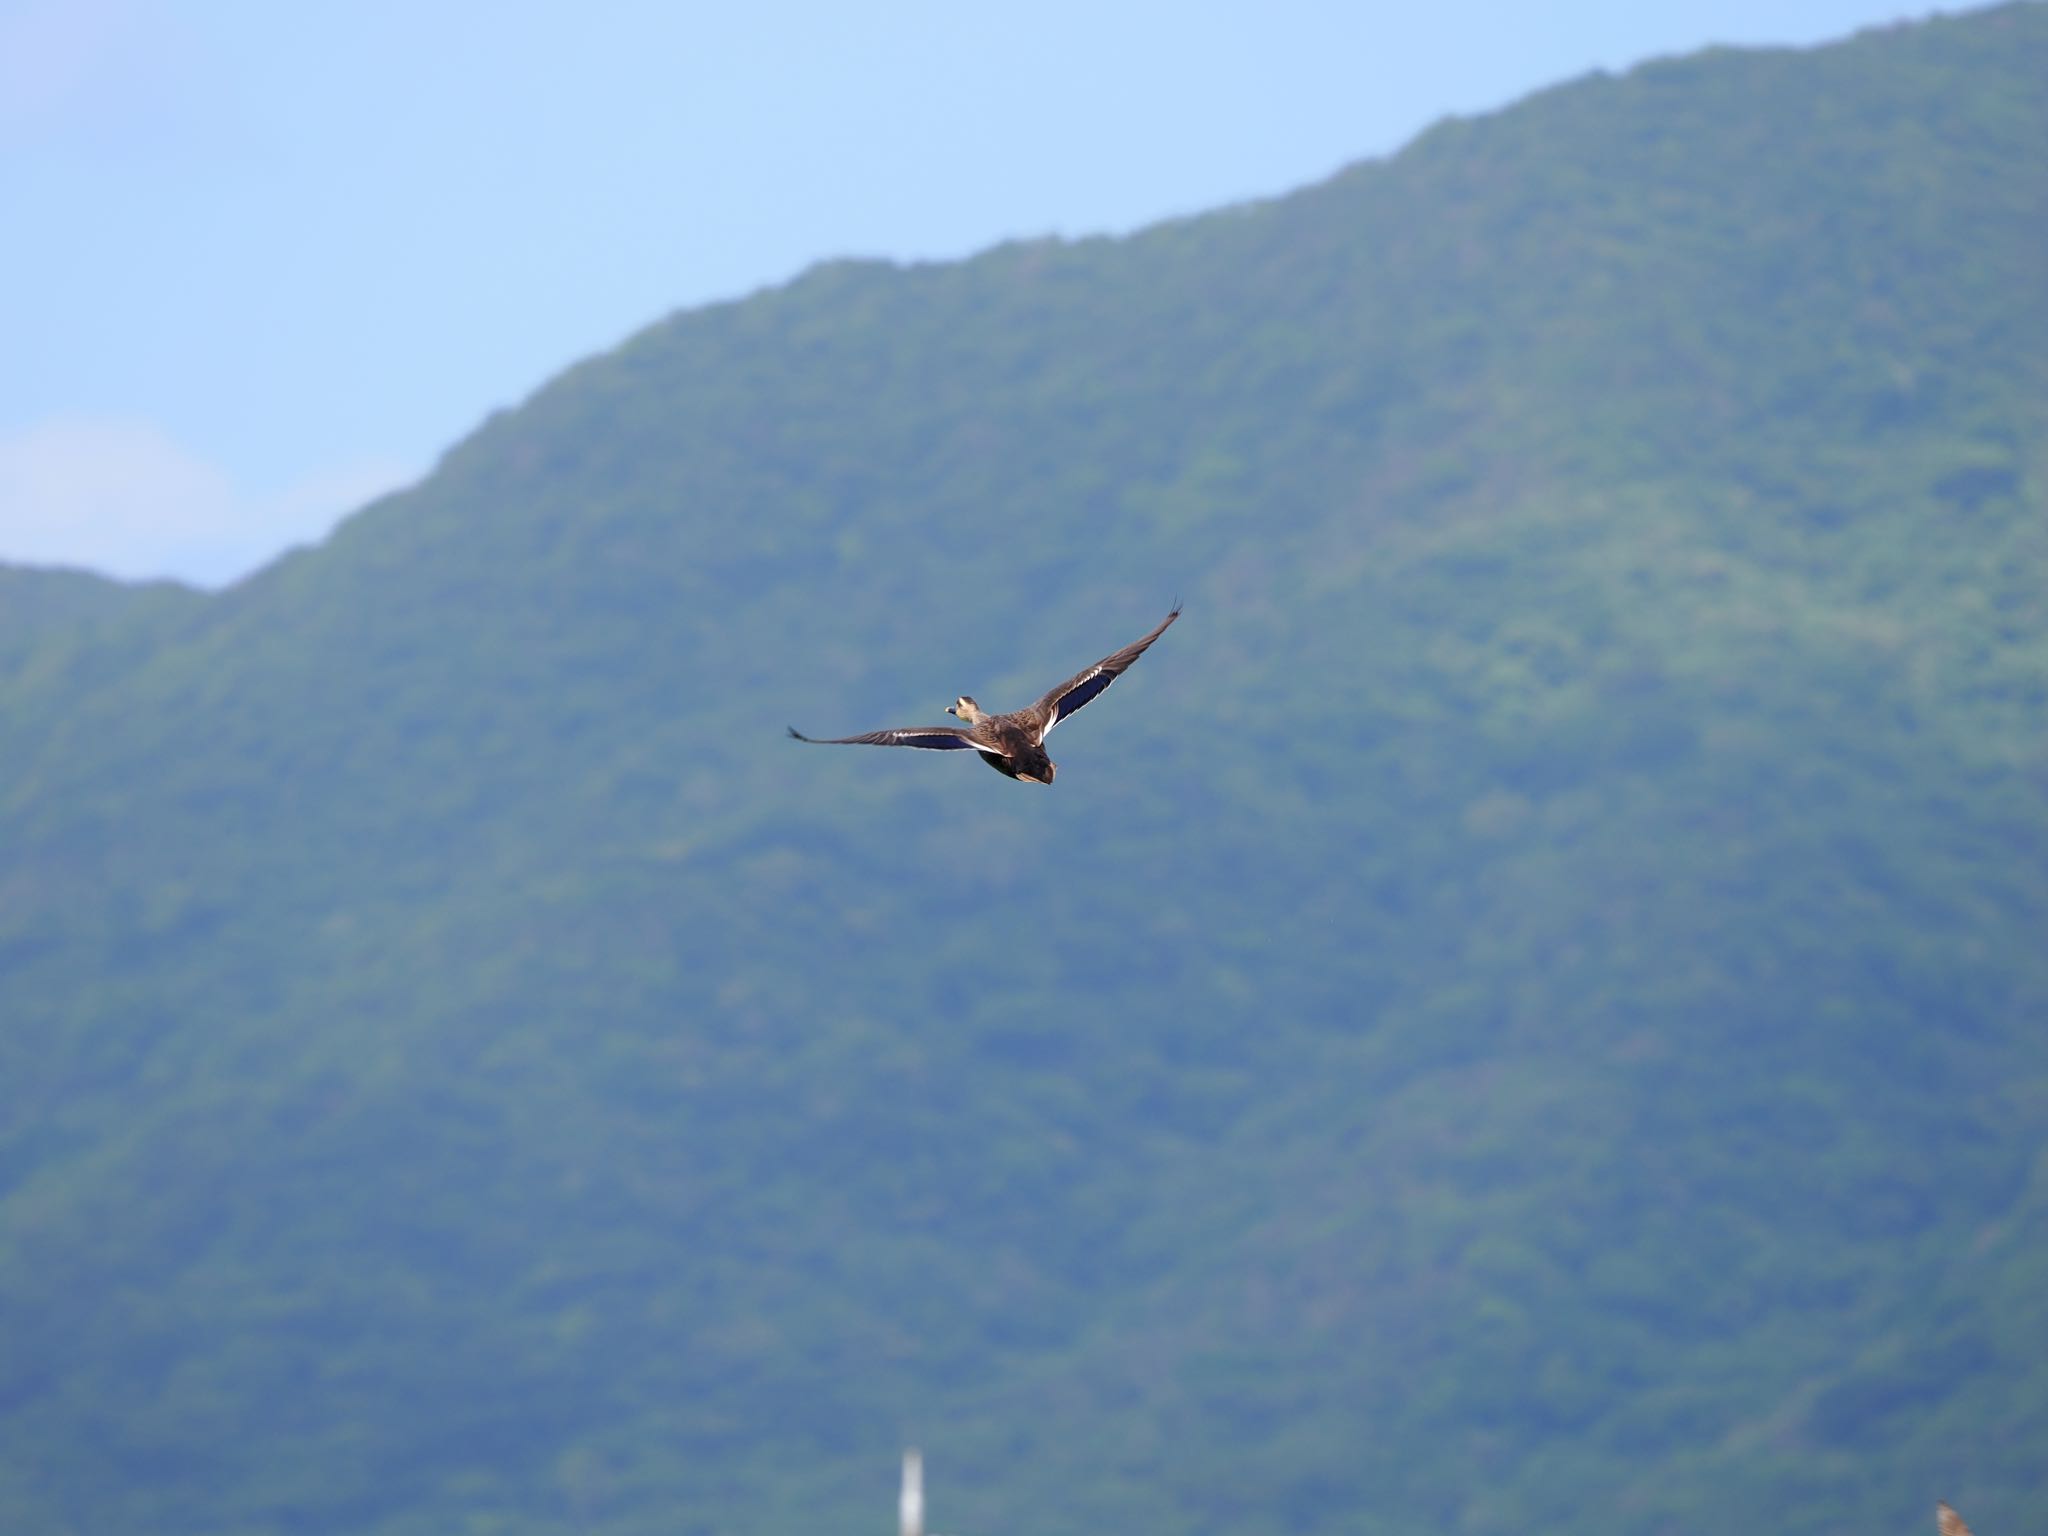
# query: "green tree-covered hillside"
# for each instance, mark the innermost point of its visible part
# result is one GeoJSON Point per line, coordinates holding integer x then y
{"type": "Point", "coordinates": [1527, 1010]}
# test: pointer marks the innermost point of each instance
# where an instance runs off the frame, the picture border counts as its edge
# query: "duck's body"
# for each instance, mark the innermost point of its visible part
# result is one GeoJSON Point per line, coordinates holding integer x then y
{"type": "Point", "coordinates": [1011, 744]}
{"type": "Point", "coordinates": [1014, 743]}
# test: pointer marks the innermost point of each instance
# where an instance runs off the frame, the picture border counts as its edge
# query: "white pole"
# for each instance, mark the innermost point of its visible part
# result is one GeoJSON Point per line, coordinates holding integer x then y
{"type": "Point", "coordinates": [910, 1508]}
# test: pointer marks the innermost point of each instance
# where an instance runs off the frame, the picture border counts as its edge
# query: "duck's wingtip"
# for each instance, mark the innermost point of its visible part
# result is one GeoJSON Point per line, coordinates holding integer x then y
{"type": "Point", "coordinates": [799, 735]}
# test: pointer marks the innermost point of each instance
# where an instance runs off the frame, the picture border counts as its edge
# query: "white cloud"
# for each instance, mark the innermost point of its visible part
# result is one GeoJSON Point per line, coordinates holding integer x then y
{"type": "Point", "coordinates": [123, 497]}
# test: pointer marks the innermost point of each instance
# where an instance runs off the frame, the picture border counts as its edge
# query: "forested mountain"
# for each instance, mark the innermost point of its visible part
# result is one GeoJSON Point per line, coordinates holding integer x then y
{"type": "Point", "coordinates": [46, 614]}
{"type": "Point", "coordinates": [1527, 1010]}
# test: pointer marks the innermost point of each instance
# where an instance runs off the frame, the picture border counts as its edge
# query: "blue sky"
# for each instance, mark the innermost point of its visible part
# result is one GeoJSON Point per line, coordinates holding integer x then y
{"type": "Point", "coordinates": [262, 262]}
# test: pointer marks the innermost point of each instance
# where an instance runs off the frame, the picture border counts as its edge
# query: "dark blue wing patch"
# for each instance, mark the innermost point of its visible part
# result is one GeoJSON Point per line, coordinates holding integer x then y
{"type": "Point", "coordinates": [936, 741]}
{"type": "Point", "coordinates": [1074, 698]}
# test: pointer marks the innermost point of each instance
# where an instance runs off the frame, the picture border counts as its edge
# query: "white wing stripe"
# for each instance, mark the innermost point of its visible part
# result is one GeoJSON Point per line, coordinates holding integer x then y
{"type": "Point", "coordinates": [1054, 717]}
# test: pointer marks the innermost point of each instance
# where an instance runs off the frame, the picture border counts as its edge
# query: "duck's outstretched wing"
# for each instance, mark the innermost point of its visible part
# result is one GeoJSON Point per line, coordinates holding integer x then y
{"type": "Point", "coordinates": [1083, 686]}
{"type": "Point", "coordinates": [933, 738]}
{"type": "Point", "coordinates": [1948, 1522]}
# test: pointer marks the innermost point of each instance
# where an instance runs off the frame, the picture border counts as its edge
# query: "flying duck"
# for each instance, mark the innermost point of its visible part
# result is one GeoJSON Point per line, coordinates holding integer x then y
{"type": "Point", "coordinates": [1012, 744]}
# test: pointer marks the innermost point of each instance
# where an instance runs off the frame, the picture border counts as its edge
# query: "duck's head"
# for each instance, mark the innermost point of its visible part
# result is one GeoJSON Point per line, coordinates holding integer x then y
{"type": "Point", "coordinates": [965, 708]}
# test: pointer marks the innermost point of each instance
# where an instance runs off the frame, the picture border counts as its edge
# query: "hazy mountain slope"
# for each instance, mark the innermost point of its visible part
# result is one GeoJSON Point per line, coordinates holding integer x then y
{"type": "Point", "coordinates": [1524, 1007]}
{"type": "Point", "coordinates": [48, 613]}
{"type": "Point", "coordinates": [36, 601]}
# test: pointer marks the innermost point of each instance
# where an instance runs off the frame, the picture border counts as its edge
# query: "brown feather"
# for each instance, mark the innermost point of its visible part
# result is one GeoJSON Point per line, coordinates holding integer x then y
{"type": "Point", "coordinates": [1044, 715]}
